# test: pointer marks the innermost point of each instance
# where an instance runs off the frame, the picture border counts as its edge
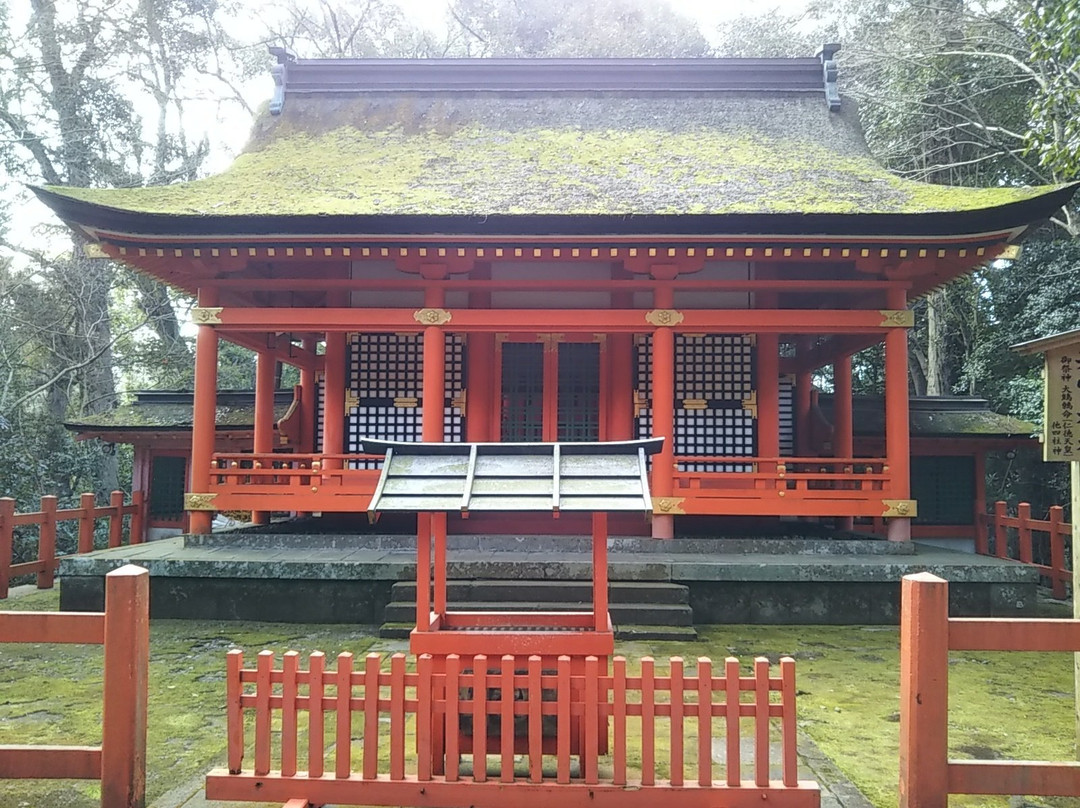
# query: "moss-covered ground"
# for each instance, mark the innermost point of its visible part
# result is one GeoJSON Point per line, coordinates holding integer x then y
{"type": "Point", "coordinates": [1002, 705]}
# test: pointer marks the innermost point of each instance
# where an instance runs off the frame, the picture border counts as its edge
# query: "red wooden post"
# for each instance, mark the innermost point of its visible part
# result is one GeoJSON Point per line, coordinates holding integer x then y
{"type": "Point", "coordinates": [264, 666]}
{"type": "Point", "coordinates": [7, 542]}
{"type": "Point", "coordinates": [1023, 517]}
{"type": "Point", "coordinates": [1001, 533]}
{"type": "Point", "coordinates": [506, 719]}
{"type": "Point", "coordinates": [731, 723]}
{"type": "Point", "coordinates": [761, 721]}
{"type": "Point", "coordinates": [234, 710]}
{"type": "Point", "coordinates": [434, 384]}
{"type": "Point", "coordinates": [371, 716]}
{"type": "Point", "coordinates": [438, 525]}
{"type": "Point", "coordinates": [924, 691]}
{"type": "Point", "coordinates": [897, 426]}
{"type": "Point", "coordinates": [204, 413]}
{"type": "Point", "coordinates": [676, 724]}
{"type": "Point", "coordinates": [453, 720]}
{"type": "Point", "coordinates": [788, 727]}
{"type": "Point", "coordinates": [86, 523]}
{"type": "Point", "coordinates": [263, 442]}
{"type": "Point", "coordinates": [424, 714]}
{"type": "Point", "coordinates": [127, 658]}
{"type": "Point", "coordinates": [397, 717]}
{"type": "Point", "coordinates": [536, 721]}
{"type": "Point", "coordinates": [648, 722]}
{"type": "Point", "coordinates": [290, 665]}
{"type": "Point", "coordinates": [591, 751]}
{"type": "Point", "coordinates": [116, 518]}
{"type": "Point", "coordinates": [479, 718]}
{"type": "Point", "coordinates": [618, 696]}
{"type": "Point", "coordinates": [47, 543]}
{"type": "Point", "coordinates": [343, 745]}
{"type": "Point", "coordinates": [423, 571]}
{"type": "Point", "coordinates": [138, 517]}
{"type": "Point", "coordinates": [704, 721]}
{"type": "Point", "coordinates": [316, 722]}
{"type": "Point", "coordinates": [600, 570]}
{"type": "Point", "coordinates": [663, 411]}
{"type": "Point", "coordinates": [562, 739]}
{"type": "Point", "coordinates": [1057, 550]}
{"type": "Point", "coordinates": [334, 399]}
{"type": "Point", "coordinates": [843, 434]}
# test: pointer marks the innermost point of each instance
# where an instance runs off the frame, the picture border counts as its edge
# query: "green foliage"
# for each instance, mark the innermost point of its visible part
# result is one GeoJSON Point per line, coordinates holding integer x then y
{"type": "Point", "coordinates": [1052, 30]}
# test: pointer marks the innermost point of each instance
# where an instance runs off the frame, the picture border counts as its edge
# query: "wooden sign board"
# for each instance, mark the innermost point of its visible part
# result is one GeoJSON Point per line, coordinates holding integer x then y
{"type": "Point", "coordinates": [1061, 404]}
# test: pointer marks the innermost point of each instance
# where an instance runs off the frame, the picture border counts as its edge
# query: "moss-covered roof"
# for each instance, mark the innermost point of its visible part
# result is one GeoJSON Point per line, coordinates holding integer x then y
{"type": "Point", "coordinates": [559, 153]}
{"type": "Point", "coordinates": [935, 416]}
{"type": "Point", "coordinates": [167, 411]}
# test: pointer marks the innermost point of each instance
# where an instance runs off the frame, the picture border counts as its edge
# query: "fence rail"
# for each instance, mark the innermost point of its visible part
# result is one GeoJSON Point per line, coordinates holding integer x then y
{"type": "Point", "coordinates": [662, 732]}
{"type": "Point", "coordinates": [124, 630]}
{"type": "Point", "coordinates": [1040, 542]}
{"type": "Point", "coordinates": [927, 634]}
{"type": "Point", "coordinates": [87, 514]}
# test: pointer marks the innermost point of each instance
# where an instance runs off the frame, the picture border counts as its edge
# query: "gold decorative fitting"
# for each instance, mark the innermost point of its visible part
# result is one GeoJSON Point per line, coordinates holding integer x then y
{"type": "Point", "coordinates": [351, 399]}
{"type": "Point", "coordinates": [432, 316]}
{"type": "Point", "coordinates": [199, 502]}
{"type": "Point", "coordinates": [93, 249]}
{"type": "Point", "coordinates": [694, 404]}
{"type": "Point", "coordinates": [460, 400]}
{"type": "Point", "coordinates": [904, 318]}
{"type": "Point", "coordinates": [207, 315]}
{"type": "Point", "coordinates": [781, 493]}
{"type": "Point", "coordinates": [664, 317]}
{"type": "Point", "coordinates": [907, 508]}
{"type": "Point", "coordinates": [1011, 252]}
{"type": "Point", "coordinates": [751, 340]}
{"type": "Point", "coordinates": [749, 404]}
{"type": "Point", "coordinates": [668, 505]}
{"type": "Point", "coordinates": [640, 403]}
{"type": "Point", "coordinates": [406, 402]}
{"type": "Point", "coordinates": [316, 466]}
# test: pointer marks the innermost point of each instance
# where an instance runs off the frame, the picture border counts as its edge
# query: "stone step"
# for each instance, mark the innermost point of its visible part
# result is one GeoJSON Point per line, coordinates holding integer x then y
{"type": "Point", "coordinates": [654, 614]}
{"type": "Point", "coordinates": [560, 592]}
{"type": "Point", "coordinates": [629, 632]}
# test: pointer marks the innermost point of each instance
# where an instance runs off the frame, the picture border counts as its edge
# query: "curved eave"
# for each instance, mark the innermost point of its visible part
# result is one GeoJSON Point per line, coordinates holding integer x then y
{"type": "Point", "coordinates": [97, 219]}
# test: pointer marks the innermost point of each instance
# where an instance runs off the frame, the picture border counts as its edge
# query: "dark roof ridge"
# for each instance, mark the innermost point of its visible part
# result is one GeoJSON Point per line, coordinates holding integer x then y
{"type": "Point", "coordinates": [293, 76]}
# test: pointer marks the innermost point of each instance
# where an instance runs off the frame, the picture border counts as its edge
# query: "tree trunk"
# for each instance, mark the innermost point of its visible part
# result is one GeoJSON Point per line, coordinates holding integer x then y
{"type": "Point", "coordinates": [937, 354]}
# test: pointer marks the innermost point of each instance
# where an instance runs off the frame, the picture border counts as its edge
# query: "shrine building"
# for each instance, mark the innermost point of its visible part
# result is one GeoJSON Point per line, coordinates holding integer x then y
{"type": "Point", "coordinates": [558, 250]}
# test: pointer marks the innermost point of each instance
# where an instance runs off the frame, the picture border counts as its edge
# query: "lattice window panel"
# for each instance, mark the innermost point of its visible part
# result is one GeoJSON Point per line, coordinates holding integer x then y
{"type": "Point", "coordinates": [944, 487]}
{"type": "Point", "coordinates": [722, 431]}
{"type": "Point", "coordinates": [579, 391]}
{"type": "Point", "coordinates": [787, 416]}
{"type": "Point", "coordinates": [717, 372]}
{"type": "Point", "coordinates": [320, 412]}
{"type": "Point", "coordinates": [385, 379]}
{"type": "Point", "coordinates": [714, 367]}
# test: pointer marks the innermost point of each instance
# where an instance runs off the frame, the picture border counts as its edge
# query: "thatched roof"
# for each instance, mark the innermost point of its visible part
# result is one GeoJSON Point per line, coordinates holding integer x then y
{"type": "Point", "coordinates": [350, 154]}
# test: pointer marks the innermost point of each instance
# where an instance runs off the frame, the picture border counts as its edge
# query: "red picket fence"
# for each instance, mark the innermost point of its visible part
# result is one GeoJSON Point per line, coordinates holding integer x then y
{"type": "Point", "coordinates": [1055, 533]}
{"type": "Point", "coordinates": [124, 629]}
{"type": "Point", "coordinates": [927, 634]}
{"type": "Point", "coordinates": [524, 709]}
{"type": "Point", "coordinates": [48, 517]}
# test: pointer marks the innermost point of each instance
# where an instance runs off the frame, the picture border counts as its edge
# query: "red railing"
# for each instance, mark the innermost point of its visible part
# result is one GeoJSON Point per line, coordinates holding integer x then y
{"type": "Point", "coordinates": [87, 514]}
{"type": "Point", "coordinates": [124, 630]}
{"type": "Point", "coordinates": [1040, 542]}
{"type": "Point", "coordinates": [521, 708]}
{"type": "Point", "coordinates": [927, 634]}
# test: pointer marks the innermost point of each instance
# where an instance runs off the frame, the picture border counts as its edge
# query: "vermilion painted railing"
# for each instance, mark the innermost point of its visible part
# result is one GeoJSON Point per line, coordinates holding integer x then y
{"type": "Point", "coordinates": [927, 634]}
{"type": "Point", "coordinates": [517, 703]}
{"type": "Point", "coordinates": [44, 567]}
{"type": "Point", "coordinates": [124, 629]}
{"type": "Point", "coordinates": [993, 538]}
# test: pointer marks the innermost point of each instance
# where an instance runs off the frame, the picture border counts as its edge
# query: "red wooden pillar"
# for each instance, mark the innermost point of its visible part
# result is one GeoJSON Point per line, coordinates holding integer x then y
{"type": "Point", "coordinates": [600, 570]}
{"type": "Point", "coordinates": [620, 354]}
{"type": "Point", "coordinates": [265, 372]}
{"type": "Point", "coordinates": [334, 398]}
{"type": "Point", "coordinates": [843, 430]}
{"type": "Point", "coordinates": [434, 371]}
{"type": "Point", "coordinates": [663, 414]}
{"type": "Point", "coordinates": [803, 387]}
{"type": "Point", "coordinates": [897, 428]}
{"type": "Point", "coordinates": [204, 413]}
{"type": "Point", "coordinates": [924, 691]}
{"type": "Point", "coordinates": [308, 396]}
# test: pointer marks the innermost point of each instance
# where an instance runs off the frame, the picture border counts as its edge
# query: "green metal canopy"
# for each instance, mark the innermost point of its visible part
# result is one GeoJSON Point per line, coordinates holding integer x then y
{"type": "Point", "coordinates": [525, 477]}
